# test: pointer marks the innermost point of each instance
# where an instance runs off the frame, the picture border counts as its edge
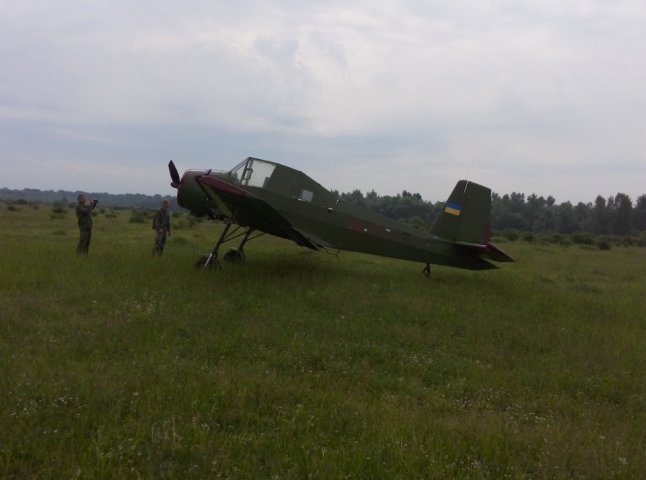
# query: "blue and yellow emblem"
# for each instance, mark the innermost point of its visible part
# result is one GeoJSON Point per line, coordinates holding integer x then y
{"type": "Point", "coordinates": [453, 208]}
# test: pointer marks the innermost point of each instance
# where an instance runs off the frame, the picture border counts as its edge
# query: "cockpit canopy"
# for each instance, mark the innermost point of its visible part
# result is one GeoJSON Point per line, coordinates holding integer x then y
{"type": "Point", "coordinates": [253, 172]}
{"type": "Point", "coordinates": [280, 180]}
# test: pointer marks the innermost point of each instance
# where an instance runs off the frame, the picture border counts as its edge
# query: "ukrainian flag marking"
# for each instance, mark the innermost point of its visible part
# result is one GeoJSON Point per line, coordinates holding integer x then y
{"type": "Point", "coordinates": [452, 208]}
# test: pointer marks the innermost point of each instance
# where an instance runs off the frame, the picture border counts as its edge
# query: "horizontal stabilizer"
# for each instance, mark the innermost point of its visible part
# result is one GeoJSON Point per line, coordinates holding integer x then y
{"type": "Point", "coordinates": [497, 254]}
{"type": "Point", "coordinates": [489, 250]}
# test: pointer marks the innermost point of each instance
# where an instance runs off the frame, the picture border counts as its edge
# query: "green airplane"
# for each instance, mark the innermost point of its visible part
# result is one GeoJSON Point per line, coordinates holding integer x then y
{"type": "Point", "coordinates": [258, 197]}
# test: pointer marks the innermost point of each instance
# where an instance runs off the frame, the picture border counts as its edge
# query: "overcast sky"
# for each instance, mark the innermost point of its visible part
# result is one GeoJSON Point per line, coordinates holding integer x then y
{"type": "Point", "coordinates": [532, 96]}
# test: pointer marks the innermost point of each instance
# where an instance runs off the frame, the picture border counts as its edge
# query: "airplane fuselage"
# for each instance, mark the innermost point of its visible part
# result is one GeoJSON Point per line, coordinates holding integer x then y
{"type": "Point", "coordinates": [284, 202]}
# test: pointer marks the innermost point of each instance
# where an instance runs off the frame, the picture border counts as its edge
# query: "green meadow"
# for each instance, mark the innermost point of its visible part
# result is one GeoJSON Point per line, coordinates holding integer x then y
{"type": "Point", "coordinates": [299, 364]}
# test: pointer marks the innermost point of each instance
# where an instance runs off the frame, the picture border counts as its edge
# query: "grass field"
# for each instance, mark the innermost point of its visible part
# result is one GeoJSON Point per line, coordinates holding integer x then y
{"type": "Point", "coordinates": [299, 364]}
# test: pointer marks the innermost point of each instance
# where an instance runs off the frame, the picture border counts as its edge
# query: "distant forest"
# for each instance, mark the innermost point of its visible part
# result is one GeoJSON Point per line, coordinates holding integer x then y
{"type": "Point", "coordinates": [617, 215]}
{"type": "Point", "coordinates": [612, 216]}
{"type": "Point", "coordinates": [123, 200]}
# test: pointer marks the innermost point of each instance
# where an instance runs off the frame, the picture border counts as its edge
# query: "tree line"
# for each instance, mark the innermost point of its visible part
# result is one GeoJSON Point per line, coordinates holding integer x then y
{"type": "Point", "coordinates": [121, 200]}
{"type": "Point", "coordinates": [615, 215]}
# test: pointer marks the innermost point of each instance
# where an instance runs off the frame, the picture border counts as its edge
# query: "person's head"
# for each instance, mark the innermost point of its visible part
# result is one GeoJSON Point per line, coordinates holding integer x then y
{"type": "Point", "coordinates": [81, 199]}
{"type": "Point", "coordinates": [165, 204]}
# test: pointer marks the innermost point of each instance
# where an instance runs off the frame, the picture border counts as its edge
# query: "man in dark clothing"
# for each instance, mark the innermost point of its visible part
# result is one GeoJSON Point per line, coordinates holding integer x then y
{"type": "Point", "coordinates": [84, 218]}
{"type": "Point", "coordinates": [161, 226]}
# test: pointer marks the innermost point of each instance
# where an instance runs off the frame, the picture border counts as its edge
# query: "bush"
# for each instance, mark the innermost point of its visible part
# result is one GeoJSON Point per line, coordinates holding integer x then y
{"type": "Point", "coordinates": [547, 237]}
{"type": "Point", "coordinates": [59, 209]}
{"type": "Point", "coordinates": [582, 238]}
{"type": "Point", "coordinates": [604, 243]}
{"type": "Point", "coordinates": [641, 240]}
{"type": "Point", "coordinates": [529, 237]}
{"type": "Point", "coordinates": [511, 234]}
{"type": "Point", "coordinates": [13, 208]}
{"type": "Point", "coordinates": [186, 222]}
{"type": "Point", "coordinates": [137, 217]}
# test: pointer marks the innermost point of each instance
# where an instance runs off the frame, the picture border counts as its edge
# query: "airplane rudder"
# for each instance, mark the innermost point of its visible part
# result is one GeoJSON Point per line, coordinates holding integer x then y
{"type": "Point", "coordinates": [476, 224]}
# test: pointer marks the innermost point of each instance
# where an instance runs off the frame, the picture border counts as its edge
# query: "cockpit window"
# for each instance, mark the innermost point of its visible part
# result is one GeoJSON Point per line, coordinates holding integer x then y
{"type": "Point", "coordinates": [253, 172]}
{"type": "Point", "coordinates": [306, 196]}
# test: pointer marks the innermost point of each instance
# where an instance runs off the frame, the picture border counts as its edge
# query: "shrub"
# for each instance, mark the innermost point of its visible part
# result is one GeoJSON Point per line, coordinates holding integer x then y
{"type": "Point", "coordinates": [582, 238]}
{"type": "Point", "coordinates": [529, 237]}
{"type": "Point", "coordinates": [557, 237]}
{"type": "Point", "coordinates": [546, 237]}
{"type": "Point", "coordinates": [137, 217]}
{"type": "Point", "coordinates": [641, 240]}
{"type": "Point", "coordinates": [604, 243]}
{"type": "Point", "coordinates": [59, 209]}
{"type": "Point", "coordinates": [511, 234]}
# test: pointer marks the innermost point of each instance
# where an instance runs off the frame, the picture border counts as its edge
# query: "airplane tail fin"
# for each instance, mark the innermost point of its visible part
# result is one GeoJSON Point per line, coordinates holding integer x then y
{"type": "Point", "coordinates": [466, 216]}
{"type": "Point", "coordinates": [466, 220]}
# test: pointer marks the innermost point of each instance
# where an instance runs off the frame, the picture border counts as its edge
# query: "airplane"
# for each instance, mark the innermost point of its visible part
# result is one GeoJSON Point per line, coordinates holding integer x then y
{"type": "Point", "coordinates": [258, 197]}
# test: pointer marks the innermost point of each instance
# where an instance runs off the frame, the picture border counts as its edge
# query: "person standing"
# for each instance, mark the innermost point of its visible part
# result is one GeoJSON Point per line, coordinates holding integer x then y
{"type": "Point", "coordinates": [84, 219]}
{"type": "Point", "coordinates": [161, 225]}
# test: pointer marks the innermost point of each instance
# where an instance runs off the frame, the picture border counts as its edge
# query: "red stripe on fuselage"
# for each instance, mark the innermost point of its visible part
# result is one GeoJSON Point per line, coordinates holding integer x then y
{"type": "Point", "coordinates": [220, 185]}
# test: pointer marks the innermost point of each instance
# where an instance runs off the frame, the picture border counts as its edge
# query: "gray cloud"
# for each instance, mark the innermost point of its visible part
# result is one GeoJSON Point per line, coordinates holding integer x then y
{"type": "Point", "coordinates": [531, 96]}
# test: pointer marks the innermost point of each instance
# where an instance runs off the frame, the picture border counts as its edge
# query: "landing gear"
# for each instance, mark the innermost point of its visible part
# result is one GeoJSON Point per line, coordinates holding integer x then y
{"type": "Point", "coordinates": [427, 270]}
{"type": "Point", "coordinates": [234, 255]}
{"type": "Point", "coordinates": [207, 262]}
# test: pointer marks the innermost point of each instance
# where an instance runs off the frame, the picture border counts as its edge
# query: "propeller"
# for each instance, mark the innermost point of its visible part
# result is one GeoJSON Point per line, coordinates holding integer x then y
{"type": "Point", "coordinates": [174, 175]}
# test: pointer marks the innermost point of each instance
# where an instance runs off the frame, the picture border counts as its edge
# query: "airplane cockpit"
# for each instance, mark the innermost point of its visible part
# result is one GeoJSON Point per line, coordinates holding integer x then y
{"type": "Point", "coordinates": [280, 180]}
{"type": "Point", "coordinates": [253, 172]}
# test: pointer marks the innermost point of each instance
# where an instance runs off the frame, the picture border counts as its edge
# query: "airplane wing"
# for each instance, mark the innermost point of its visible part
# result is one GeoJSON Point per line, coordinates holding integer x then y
{"type": "Point", "coordinates": [251, 211]}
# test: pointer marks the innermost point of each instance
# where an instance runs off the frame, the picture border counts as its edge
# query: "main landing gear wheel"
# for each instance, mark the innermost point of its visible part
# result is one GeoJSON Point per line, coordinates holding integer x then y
{"type": "Point", "coordinates": [207, 262]}
{"type": "Point", "coordinates": [234, 255]}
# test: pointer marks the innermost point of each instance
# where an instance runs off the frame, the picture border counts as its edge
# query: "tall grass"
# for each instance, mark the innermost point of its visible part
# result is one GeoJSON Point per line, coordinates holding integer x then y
{"type": "Point", "coordinates": [299, 364]}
